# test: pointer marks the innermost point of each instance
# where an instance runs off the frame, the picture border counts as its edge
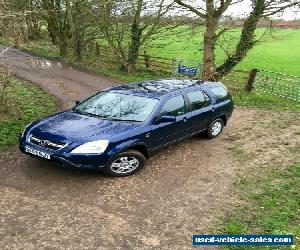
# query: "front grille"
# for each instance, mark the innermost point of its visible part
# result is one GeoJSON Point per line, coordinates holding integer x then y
{"type": "Point", "coordinates": [46, 143]}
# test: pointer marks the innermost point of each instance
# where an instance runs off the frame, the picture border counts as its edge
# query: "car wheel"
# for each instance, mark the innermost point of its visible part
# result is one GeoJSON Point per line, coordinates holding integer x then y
{"type": "Point", "coordinates": [215, 128]}
{"type": "Point", "coordinates": [125, 163]}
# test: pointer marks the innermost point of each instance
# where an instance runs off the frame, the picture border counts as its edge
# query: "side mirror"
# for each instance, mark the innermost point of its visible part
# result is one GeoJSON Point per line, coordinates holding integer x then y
{"type": "Point", "coordinates": [77, 102]}
{"type": "Point", "coordinates": [165, 119]}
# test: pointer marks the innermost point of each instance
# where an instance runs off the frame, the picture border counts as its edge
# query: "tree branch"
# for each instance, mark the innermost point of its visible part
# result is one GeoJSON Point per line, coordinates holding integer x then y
{"type": "Point", "coordinates": [191, 8]}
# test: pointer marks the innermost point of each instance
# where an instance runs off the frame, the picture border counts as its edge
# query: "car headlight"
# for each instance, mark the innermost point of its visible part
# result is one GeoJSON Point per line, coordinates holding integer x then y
{"type": "Point", "coordinates": [25, 129]}
{"type": "Point", "coordinates": [93, 147]}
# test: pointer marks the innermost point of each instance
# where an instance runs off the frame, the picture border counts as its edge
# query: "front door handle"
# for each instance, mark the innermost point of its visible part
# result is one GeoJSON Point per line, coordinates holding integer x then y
{"type": "Point", "coordinates": [184, 119]}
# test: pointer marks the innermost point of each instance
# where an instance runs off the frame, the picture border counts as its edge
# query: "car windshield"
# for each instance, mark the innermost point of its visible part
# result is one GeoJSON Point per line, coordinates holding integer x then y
{"type": "Point", "coordinates": [118, 106]}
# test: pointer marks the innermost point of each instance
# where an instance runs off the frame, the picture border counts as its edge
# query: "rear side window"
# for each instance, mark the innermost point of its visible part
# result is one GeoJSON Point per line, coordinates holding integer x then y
{"type": "Point", "coordinates": [219, 91]}
{"type": "Point", "coordinates": [198, 99]}
{"type": "Point", "coordinates": [174, 107]}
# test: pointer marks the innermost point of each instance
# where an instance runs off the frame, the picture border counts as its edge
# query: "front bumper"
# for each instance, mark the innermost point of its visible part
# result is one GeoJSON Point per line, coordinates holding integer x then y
{"type": "Point", "coordinates": [94, 162]}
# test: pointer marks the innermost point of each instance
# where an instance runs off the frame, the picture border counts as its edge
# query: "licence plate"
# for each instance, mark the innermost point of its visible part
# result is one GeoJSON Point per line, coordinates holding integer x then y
{"type": "Point", "coordinates": [37, 153]}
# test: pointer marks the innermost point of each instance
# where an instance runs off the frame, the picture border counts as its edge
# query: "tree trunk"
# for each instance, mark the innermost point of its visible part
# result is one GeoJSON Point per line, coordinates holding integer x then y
{"type": "Point", "coordinates": [24, 32]}
{"type": "Point", "coordinates": [77, 49]}
{"type": "Point", "coordinates": [135, 42]}
{"type": "Point", "coordinates": [134, 48]}
{"type": "Point", "coordinates": [63, 49]}
{"type": "Point", "coordinates": [32, 21]}
{"type": "Point", "coordinates": [78, 56]}
{"type": "Point", "coordinates": [246, 42]}
{"type": "Point", "coordinates": [97, 49]}
{"type": "Point", "coordinates": [209, 48]}
{"type": "Point", "coordinates": [53, 38]}
{"type": "Point", "coordinates": [33, 30]}
{"type": "Point", "coordinates": [52, 33]}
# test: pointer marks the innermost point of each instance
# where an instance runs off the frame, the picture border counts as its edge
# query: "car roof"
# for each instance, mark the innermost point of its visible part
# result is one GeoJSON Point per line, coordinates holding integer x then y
{"type": "Point", "coordinates": [161, 88]}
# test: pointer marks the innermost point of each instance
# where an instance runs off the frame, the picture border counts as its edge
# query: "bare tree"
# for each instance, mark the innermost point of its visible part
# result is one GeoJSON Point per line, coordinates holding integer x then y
{"type": "Point", "coordinates": [56, 12]}
{"type": "Point", "coordinates": [212, 12]}
{"type": "Point", "coordinates": [13, 20]}
{"type": "Point", "coordinates": [82, 25]}
{"type": "Point", "coordinates": [32, 20]}
{"type": "Point", "coordinates": [128, 25]}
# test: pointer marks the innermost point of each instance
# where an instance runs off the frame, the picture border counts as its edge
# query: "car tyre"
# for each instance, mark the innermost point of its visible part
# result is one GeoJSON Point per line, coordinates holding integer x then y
{"type": "Point", "coordinates": [125, 163]}
{"type": "Point", "coordinates": [215, 128]}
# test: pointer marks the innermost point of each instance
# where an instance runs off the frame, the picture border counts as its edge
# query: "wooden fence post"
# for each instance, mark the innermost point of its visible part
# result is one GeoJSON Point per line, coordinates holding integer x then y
{"type": "Point", "coordinates": [147, 59]}
{"type": "Point", "coordinates": [97, 49]}
{"type": "Point", "coordinates": [249, 85]}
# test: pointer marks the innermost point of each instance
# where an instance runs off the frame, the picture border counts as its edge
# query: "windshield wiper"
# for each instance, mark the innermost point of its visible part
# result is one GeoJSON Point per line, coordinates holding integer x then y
{"type": "Point", "coordinates": [125, 120]}
{"type": "Point", "coordinates": [104, 117]}
{"type": "Point", "coordinates": [85, 113]}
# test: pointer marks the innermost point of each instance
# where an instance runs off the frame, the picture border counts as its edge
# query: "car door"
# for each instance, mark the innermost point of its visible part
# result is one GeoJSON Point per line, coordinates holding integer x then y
{"type": "Point", "coordinates": [165, 133]}
{"type": "Point", "coordinates": [199, 111]}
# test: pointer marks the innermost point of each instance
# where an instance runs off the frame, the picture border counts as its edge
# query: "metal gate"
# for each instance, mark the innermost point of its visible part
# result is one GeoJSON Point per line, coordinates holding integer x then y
{"type": "Point", "coordinates": [278, 84]}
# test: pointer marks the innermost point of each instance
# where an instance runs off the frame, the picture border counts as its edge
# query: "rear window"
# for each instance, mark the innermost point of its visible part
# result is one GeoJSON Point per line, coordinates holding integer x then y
{"type": "Point", "coordinates": [198, 100]}
{"type": "Point", "coordinates": [219, 91]}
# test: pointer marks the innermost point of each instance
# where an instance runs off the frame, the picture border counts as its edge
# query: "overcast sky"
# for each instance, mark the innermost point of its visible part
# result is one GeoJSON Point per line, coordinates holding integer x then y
{"type": "Point", "coordinates": [243, 8]}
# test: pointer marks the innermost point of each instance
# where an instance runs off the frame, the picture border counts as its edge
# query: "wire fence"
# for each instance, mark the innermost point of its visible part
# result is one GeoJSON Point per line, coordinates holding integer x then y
{"type": "Point", "coordinates": [278, 84]}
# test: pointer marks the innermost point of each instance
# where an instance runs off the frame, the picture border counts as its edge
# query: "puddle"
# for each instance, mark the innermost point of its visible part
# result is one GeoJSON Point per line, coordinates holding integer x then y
{"type": "Point", "coordinates": [71, 94]}
{"type": "Point", "coordinates": [44, 63]}
{"type": "Point", "coordinates": [60, 85]}
{"type": "Point", "coordinates": [67, 92]}
{"type": "Point", "coordinates": [4, 51]}
{"type": "Point", "coordinates": [30, 60]}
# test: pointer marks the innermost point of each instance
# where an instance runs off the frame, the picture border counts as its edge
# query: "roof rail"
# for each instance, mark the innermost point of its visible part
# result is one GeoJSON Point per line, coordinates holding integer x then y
{"type": "Point", "coordinates": [200, 82]}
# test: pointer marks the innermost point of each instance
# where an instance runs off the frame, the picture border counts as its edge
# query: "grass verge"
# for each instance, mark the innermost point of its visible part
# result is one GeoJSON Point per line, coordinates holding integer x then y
{"type": "Point", "coordinates": [27, 102]}
{"type": "Point", "coordinates": [264, 101]}
{"type": "Point", "coordinates": [272, 205]}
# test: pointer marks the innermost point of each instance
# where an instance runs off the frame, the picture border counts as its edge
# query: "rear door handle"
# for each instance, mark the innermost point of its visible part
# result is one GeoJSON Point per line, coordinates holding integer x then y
{"type": "Point", "coordinates": [184, 119]}
{"type": "Point", "coordinates": [213, 109]}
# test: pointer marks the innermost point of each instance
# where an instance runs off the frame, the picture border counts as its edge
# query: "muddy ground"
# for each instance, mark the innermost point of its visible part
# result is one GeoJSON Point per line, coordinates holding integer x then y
{"type": "Point", "coordinates": [183, 190]}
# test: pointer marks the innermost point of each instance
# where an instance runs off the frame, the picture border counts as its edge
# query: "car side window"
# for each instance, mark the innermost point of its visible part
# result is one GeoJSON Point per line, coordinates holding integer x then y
{"type": "Point", "coordinates": [198, 99]}
{"type": "Point", "coordinates": [173, 107]}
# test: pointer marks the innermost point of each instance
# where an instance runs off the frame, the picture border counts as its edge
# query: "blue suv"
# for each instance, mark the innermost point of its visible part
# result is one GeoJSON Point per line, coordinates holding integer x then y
{"type": "Point", "coordinates": [117, 129]}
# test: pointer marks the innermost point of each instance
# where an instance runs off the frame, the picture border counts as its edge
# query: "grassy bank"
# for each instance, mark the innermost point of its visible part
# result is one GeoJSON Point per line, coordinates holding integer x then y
{"type": "Point", "coordinates": [272, 205]}
{"type": "Point", "coordinates": [267, 156]}
{"type": "Point", "coordinates": [27, 102]}
{"type": "Point", "coordinates": [264, 101]}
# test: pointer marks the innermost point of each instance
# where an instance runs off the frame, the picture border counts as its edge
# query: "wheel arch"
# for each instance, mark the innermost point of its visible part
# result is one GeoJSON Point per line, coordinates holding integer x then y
{"type": "Point", "coordinates": [142, 148]}
{"type": "Point", "coordinates": [220, 116]}
{"type": "Point", "coordinates": [224, 118]}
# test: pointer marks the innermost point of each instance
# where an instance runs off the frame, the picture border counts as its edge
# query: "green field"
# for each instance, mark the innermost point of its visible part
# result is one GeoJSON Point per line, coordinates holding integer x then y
{"type": "Point", "coordinates": [279, 50]}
